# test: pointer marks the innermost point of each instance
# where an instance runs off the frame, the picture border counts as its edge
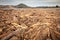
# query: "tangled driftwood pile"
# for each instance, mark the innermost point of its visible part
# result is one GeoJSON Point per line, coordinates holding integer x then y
{"type": "Point", "coordinates": [30, 24]}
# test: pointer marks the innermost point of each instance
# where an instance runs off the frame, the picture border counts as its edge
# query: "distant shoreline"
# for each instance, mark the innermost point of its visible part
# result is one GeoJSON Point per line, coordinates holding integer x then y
{"type": "Point", "coordinates": [29, 8]}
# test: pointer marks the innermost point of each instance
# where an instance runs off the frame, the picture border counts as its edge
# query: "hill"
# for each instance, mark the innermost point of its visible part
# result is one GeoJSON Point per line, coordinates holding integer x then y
{"type": "Point", "coordinates": [22, 6]}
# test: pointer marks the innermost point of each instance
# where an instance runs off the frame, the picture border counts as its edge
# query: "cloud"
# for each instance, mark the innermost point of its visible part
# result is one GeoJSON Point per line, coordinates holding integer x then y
{"type": "Point", "coordinates": [30, 2]}
{"type": "Point", "coordinates": [42, 0]}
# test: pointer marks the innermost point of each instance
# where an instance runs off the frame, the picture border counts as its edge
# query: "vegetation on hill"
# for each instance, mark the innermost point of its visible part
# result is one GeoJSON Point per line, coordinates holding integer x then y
{"type": "Point", "coordinates": [22, 6]}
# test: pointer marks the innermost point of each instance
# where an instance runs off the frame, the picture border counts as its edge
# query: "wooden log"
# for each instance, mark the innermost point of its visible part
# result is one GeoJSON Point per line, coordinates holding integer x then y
{"type": "Point", "coordinates": [5, 34]}
{"type": "Point", "coordinates": [55, 35]}
{"type": "Point", "coordinates": [19, 30]}
{"type": "Point", "coordinates": [11, 34]}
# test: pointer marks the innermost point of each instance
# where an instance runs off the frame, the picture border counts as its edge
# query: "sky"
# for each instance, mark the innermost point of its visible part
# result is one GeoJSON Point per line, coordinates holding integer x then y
{"type": "Point", "coordinates": [32, 3]}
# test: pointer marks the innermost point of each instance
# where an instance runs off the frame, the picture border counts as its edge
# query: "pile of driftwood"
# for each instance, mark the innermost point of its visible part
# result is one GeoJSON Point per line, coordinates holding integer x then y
{"type": "Point", "coordinates": [19, 25]}
{"type": "Point", "coordinates": [25, 33]}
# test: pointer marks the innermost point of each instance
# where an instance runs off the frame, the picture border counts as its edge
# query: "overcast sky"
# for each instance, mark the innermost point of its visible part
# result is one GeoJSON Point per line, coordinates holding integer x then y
{"type": "Point", "coordinates": [31, 2]}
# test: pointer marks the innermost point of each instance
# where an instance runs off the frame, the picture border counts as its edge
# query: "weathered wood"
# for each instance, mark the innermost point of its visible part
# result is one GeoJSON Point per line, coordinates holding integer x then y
{"type": "Point", "coordinates": [4, 34]}
{"type": "Point", "coordinates": [19, 30]}
{"type": "Point", "coordinates": [55, 34]}
{"type": "Point", "coordinates": [10, 35]}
